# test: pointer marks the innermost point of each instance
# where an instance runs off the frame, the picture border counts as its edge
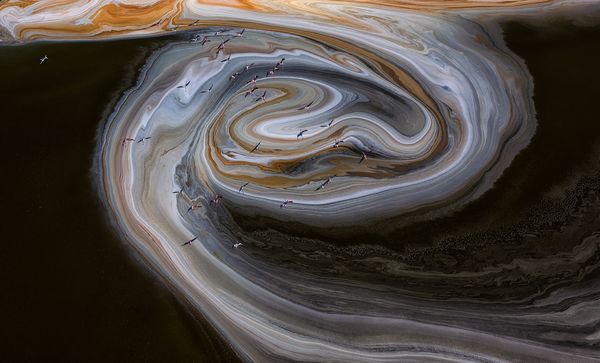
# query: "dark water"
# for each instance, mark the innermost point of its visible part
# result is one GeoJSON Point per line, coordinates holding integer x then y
{"type": "Point", "coordinates": [73, 292]}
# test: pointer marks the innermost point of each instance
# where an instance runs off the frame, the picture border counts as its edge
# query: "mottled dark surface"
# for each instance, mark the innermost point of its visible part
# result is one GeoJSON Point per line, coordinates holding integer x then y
{"type": "Point", "coordinates": [553, 183]}
{"type": "Point", "coordinates": [74, 292]}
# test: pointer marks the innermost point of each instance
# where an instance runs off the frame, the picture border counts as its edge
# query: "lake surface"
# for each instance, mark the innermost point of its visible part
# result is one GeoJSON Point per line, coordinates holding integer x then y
{"type": "Point", "coordinates": [75, 292]}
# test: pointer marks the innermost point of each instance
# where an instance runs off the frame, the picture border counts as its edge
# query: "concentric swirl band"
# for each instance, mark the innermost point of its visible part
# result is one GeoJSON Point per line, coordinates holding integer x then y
{"type": "Point", "coordinates": [421, 115]}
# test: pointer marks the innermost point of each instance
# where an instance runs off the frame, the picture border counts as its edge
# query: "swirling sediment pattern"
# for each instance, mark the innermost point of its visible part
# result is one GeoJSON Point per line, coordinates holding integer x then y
{"type": "Point", "coordinates": [26, 20]}
{"type": "Point", "coordinates": [421, 151]}
{"type": "Point", "coordinates": [368, 117]}
{"type": "Point", "coordinates": [439, 108]}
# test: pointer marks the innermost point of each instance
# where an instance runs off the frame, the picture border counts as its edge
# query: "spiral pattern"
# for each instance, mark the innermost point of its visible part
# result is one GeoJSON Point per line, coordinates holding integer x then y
{"type": "Point", "coordinates": [392, 116]}
{"type": "Point", "coordinates": [428, 136]}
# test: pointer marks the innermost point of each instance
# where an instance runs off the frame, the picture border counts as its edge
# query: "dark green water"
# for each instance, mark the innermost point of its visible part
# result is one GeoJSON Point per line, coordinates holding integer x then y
{"type": "Point", "coordinates": [73, 292]}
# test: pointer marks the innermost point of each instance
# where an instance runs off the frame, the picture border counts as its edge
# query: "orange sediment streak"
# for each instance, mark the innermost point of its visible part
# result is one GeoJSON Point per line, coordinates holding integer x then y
{"type": "Point", "coordinates": [107, 19]}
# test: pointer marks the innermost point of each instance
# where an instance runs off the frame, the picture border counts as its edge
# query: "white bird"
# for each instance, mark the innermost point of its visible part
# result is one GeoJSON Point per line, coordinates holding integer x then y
{"type": "Point", "coordinates": [221, 31]}
{"type": "Point", "coordinates": [324, 183]}
{"type": "Point", "coordinates": [337, 143]}
{"type": "Point", "coordinates": [248, 93]}
{"type": "Point", "coordinates": [237, 245]}
{"type": "Point", "coordinates": [256, 147]}
{"type": "Point", "coordinates": [144, 139]}
{"type": "Point", "coordinates": [207, 90]}
{"type": "Point", "coordinates": [127, 139]}
{"type": "Point", "coordinates": [215, 200]}
{"type": "Point", "coordinates": [280, 63]}
{"type": "Point", "coordinates": [363, 158]}
{"type": "Point", "coordinates": [193, 206]}
{"type": "Point", "coordinates": [262, 97]}
{"type": "Point", "coordinates": [204, 41]}
{"type": "Point", "coordinates": [328, 124]}
{"type": "Point", "coordinates": [301, 134]}
{"type": "Point", "coordinates": [43, 59]}
{"type": "Point", "coordinates": [306, 106]}
{"type": "Point", "coordinates": [285, 203]}
{"type": "Point", "coordinates": [185, 85]}
{"type": "Point", "coordinates": [190, 241]}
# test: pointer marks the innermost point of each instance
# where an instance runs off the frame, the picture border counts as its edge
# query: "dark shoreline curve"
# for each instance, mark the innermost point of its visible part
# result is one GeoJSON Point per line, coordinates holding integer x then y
{"type": "Point", "coordinates": [75, 291]}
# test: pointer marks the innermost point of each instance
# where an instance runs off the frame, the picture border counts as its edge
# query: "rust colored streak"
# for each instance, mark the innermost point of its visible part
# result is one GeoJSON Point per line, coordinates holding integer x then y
{"type": "Point", "coordinates": [118, 19]}
{"type": "Point", "coordinates": [128, 15]}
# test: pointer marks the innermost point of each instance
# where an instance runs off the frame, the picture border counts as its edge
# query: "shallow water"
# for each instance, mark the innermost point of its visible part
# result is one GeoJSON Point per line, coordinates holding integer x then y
{"type": "Point", "coordinates": [72, 290]}
{"type": "Point", "coordinates": [75, 292]}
